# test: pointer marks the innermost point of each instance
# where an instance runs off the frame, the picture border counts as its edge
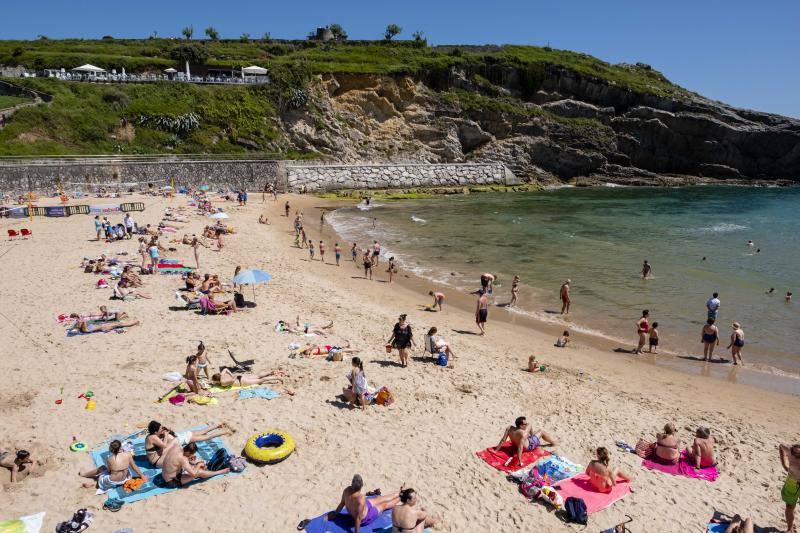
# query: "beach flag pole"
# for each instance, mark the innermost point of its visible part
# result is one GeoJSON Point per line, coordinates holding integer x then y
{"type": "Point", "coordinates": [30, 206]}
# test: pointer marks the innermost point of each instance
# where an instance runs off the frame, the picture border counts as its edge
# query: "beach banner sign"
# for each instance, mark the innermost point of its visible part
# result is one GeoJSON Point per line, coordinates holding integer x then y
{"type": "Point", "coordinates": [56, 211]}
{"type": "Point", "coordinates": [132, 206]}
{"type": "Point", "coordinates": [78, 209]}
{"type": "Point", "coordinates": [105, 208]}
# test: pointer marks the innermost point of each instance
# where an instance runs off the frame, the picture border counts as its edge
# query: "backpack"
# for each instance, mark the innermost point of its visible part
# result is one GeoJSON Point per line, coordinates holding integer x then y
{"type": "Point", "coordinates": [575, 509]}
{"type": "Point", "coordinates": [237, 463]}
{"type": "Point", "coordinates": [219, 460]}
{"type": "Point", "coordinates": [441, 360]}
{"type": "Point", "coordinates": [238, 299]}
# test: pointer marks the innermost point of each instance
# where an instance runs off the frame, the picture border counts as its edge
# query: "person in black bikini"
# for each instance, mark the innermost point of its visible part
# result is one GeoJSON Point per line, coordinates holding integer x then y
{"type": "Point", "coordinates": [408, 518]}
{"type": "Point", "coordinates": [737, 343]}
{"type": "Point", "coordinates": [402, 338]}
{"type": "Point", "coordinates": [709, 338]}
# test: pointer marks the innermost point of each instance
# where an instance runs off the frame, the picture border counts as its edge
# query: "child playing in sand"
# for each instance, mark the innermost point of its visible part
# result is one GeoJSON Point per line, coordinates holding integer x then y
{"type": "Point", "coordinates": [534, 365]}
{"type": "Point", "coordinates": [653, 347]}
{"type": "Point", "coordinates": [563, 340]}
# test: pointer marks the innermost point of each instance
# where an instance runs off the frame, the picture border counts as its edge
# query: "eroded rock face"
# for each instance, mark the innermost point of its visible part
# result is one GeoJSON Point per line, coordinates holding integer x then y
{"type": "Point", "coordinates": [573, 126]}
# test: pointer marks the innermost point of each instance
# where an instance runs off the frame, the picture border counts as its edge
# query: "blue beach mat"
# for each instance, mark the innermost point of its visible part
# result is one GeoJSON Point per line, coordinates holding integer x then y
{"type": "Point", "coordinates": [343, 523]}
{"type": "Point", "coordinates": [260, 392]}
{"type": "Point", "coordinates": [155, 483]}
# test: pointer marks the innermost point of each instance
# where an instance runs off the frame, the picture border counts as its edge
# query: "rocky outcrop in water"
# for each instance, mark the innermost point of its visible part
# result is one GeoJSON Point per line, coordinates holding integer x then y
{"type": "Point", "coordinates": [573, 126]}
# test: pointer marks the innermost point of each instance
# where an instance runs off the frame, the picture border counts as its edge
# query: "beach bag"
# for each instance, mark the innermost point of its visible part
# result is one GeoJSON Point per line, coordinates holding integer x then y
{"type": "Point", "coordinates": [237, 463]}
{"type": "Point", "coordinates": [442, 359]}
{"type": "Point", "coordinates": [219, 460]}
{"type": "Point", "coordinates": [575, 509]}
{"type": "Point", "coordinates": [384, 397]}
{"type": "Point", "coordinates": [238, 299]}
{"type": "Point", "coordinates": [645, 449]}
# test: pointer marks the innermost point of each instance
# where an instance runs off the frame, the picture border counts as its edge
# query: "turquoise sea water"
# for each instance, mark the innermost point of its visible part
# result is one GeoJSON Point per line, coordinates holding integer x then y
{"type": "Point", "coordinates": [598, 237]}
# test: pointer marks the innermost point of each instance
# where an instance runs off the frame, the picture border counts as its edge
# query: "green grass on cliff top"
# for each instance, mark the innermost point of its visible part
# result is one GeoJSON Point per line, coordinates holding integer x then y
{"type": "Point", "coordinates": [363, 57]}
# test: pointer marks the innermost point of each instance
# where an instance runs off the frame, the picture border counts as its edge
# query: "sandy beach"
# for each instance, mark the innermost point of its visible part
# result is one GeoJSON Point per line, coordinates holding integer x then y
{"type": "Point", "coordinates": [590, 397]}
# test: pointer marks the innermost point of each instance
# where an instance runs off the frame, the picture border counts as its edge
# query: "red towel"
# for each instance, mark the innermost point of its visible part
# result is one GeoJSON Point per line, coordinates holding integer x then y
{"type": "Point", "coordinates": [578, 487]}
{"type": "Point", "coordinates": [499, 459]}
{"type": "Point", "coordinates": [170, 265]}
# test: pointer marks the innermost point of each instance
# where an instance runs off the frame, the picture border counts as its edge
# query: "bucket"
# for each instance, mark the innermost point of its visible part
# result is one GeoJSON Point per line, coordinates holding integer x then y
{"type": "Point", "coordinates": [388, 348]}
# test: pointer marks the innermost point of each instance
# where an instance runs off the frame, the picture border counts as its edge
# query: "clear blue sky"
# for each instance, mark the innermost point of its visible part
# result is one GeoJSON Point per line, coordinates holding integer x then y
{"type": "Point", "coordinates": [743, 52]}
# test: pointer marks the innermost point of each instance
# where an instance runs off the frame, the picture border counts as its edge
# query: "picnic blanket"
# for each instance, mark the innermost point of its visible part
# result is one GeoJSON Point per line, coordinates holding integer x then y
{"type": "Point", "coordinates": [578, 487]}
{"type": "Point", "coordinates": [343, 523]}
{"type": "Point", "coordinates": [553, 466]}
{"type": "Point", "coordinates": [155, 484]}
{"type": "Point", "coordinates": [26, 524]}
{"type": "Point", "coordinates": [260, 392]}
{"type": "Point", "coordinates": [499, 459]}
{"type": "Point", "coordinates": [684, 468]}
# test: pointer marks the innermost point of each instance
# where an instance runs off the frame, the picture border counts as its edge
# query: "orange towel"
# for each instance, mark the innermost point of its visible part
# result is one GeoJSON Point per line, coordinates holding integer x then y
{"type": "Point", "coordinates": [132, 485]}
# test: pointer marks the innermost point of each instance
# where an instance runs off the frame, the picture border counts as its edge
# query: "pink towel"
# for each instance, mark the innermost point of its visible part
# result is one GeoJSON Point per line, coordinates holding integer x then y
{"type": "Point", "coordinates": [684, 468]}
{"type": "Point", "coordinates": [499, 459]}
{"type": "Point", "coordinates": [578, 487]}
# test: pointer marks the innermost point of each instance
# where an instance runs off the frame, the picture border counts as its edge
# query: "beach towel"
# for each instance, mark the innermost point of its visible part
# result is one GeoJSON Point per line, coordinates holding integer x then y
{"type": "Point", "coordinates": [214, 389]}
{"type": "Point", "coordinates": [499, 459]}
{"type": "Point", "coordinates": [174, 270]}
{"type": "Point", "coordinates": [550, 469]}
{"type": "Point", "coordinates": [343, 523]}
{"type": "Point", "coordinates": [155, 484]}
{"type": "Point", "coordinates": [578, 487]}
{"type": "Point", "coordinates": [261, 392]}
{"type": "Point", "coordinates": [684, 468]}
{"type": "Point", "coordinates": [26, 524]}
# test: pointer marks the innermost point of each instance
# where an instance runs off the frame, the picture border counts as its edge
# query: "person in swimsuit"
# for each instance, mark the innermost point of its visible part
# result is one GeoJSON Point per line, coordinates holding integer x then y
{"type": "Point", "coordinates": [157, 440]}
{"type": "Point", "coordinates": [20, 463]}
{"type": "Point", "coordinates": [667, 446]}
{"type": "Point", "coordinates": [740, 525]}
{"type": "Point", "coordinates": [83, 326]}
{"type": "Point", "coordinates": [408, 518]}
{"type": "Point", "coordinates": [322, 251]}
{"type": "Point", "coordinates": [337, 252]}
{"type": "Point", "coordinates": [367, 265]}
{"type": "Point", "coordinates": [392, 270]}
{"type": "Point", "coordinates": [487, 282]}
{"type": "Point", "coordinates": [438, 299]}
{"type": "Point", "coordinates": [311, 249]}
{"type": "Point", "coordinates": [710, 338]}
{"type": "Point", "coordinates": [790, 493]}
{"type": "Point", "coordinates": [354, 252]}
{"type": "Point", "coordinates": [652, 340]}
{"type": "Point", "coordinates": [524, 438]}
{"type": "Point", "coordinates": [563, 340]}
{"type": "Point", "coordinates": [402, 339]}
{"type": "Point", "coordinates": [376, 252]}
{"type": "Point", "coordinates": [286, 208]}
{"type": "Point", "coordinates": [179, 470]}
{"type": "Point", "coordinates": [227, 379]}
{"type": "Point", "coordinates": [737, 342]}
{"type": "Point", "coordinates": [482, 311]}
{"type": "Point", "coordinates": [642, 329]}
{"type": "Point", "coordinates": [514, 291]}
{"type": "Point", "coordinates": [110, 316]}
{"type": "Point", "coordinates": [601, 477]}
{"type": "Point", "coordinates": [702, 452]}
{"type": "Point", "coordinates": [565, 298]}
{"type": "Point", "coordinates": [202, 360]}
{"type": "Point", "coordinates": [355, 394]}
{"type": "Point", "coordinates": [116, 470]}
{"type": "Point", "coordinates": [647, 270]}
{"type": "Point", "coordinates": [364, 511]}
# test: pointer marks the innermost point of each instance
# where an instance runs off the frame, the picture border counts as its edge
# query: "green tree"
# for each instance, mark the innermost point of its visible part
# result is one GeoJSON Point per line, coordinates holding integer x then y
{"type": "Point", "coordinates": [245, 37]}
{"type": "Point", "coordinates": [391, 31]}
{"type": "Point", "coordinates": [338, 32]}
{"type": "Point", "coordinates": [419, 39]}
{"type": "Point", "coordinates": [194, 54]}
{"type": "Point", "coordinates": [266, 36]}
{"type": "Point", "coordinates": [187, 32]}
{"type": "Point", "coordinates": [212, 34]}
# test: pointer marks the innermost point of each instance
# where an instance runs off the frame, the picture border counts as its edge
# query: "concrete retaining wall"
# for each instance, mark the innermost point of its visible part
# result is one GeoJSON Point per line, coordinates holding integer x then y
{"type": "Point", "coordinates": [333, 177]}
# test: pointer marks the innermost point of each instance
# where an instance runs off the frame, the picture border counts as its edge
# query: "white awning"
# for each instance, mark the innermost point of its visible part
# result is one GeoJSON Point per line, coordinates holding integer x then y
{"type": "Point", "coordinates": [88, 68]}
{"type": "Point", "coordinates": [254, 70]}
{"type": "Point", "coordinates": [170, 70]}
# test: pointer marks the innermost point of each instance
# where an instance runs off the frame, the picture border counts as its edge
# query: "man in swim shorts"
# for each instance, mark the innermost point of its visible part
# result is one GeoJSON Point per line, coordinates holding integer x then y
{"type": "Point", "coordinates": [482, 311]}
{"type": "Point", "coordinates": [179, 469]}
{"type": "Point", "coordinates": [790, 494]}
{"type": "Point", "coordinates": [524, 438]}
{"type": "Point", "coordinates": [438, 299]}
{"type": "Point", "coordinates": [364, 510]}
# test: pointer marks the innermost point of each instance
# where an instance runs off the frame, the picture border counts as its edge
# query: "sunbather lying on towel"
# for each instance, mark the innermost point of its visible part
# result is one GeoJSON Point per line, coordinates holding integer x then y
{"type": "Point", "coordinates": [180, 466]}
{"type": "Point", "coordinates": [524, 437]}
{"type": "Point", "coordinates": [306, 327]}
{"type": "Point", "coordinates": [740, 525]}
{"type": "Point", "coordinates": [311, 350]}
{"type": "Point", "coordinates": [19, 463]}
{"type": "Point", "coordinates": [602, 478]}
{"type": "Point", "coordinates": [115, 472]}
{"type": "Point", "coordinates": [159, 438]}
{"type": "Point", "coordinates": [83, 326]}
{"type": "Point", "coordinates": [227, 379]}
{"type": "Point", "coordinates": [364, 511]}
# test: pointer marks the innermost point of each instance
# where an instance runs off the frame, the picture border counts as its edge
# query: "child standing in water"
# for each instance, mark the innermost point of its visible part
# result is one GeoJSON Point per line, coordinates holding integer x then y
{"type": "Point", "coordinates": [653, 347]}
{"type": "Point", "coordinates": [338, 252]}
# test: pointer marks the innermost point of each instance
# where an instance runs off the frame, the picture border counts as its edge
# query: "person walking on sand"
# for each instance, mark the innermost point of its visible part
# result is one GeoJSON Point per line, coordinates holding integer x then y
{"type": "Point", "coordinates": [790, 494]}
{"type": "Point", "coordinates": [303, 237]}
{"type": "Point", "coordinates": [337, 252]}
{"type": "Point", "coordinates": [196, 244]}
{"type": "Point", "coordinates": [322, 252]}
{"type": "Point", "coordinates": [712, 305]}
{"type": "Point", "coordinates": [647, 270]}
{"type": "Point", "coordinates": [311, 249]}
{"type": "Point", "coordinates": [710, 338]}
{"type": "Point", "coordinates": [367, 265]}
{"type": "Point", "coordinates": [653, 339]}
{"type": "Point", "coordinates": [736, 344]}
{"type": "Point", "coordinates": [354, 252]}
{"type": "Point", "coordinates": [482, 311]}
{"type": "Point", "coordinates": [376, 253]}
{"type": "Point", "coordinates": [514, 291]}
{"type": "Point", "coordinates": [642, 329]}
{"type": "Point", "coordinates": [438, 299]}
{"type": "Point", "coordinates": [565, 298]}
{"type": "Point", "coordinates": [392, 270]}
{"type": "Point", "coordinates": [286, 209]}
{"type": "Point", "coordinates": [143, 251]}
{"type": "Point", "coordinates": [402, 338]}
{"type": "Point", "coordinates": [98, 227]}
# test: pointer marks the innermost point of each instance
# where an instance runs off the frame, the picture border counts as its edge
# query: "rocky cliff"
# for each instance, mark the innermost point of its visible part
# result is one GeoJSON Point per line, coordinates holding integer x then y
{"type": "Point", "coordinates": [569, 126]}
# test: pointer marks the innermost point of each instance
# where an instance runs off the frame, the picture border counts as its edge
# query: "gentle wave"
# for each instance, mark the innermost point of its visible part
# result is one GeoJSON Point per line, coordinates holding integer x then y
{"type": "Point", "coordinates": [418, 220]}
{"type": "Point", "coordinates": [723, 227]}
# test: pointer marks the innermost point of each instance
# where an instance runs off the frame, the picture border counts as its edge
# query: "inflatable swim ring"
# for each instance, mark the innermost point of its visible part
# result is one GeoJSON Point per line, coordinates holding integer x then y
{"type": "Point", "coordinates": [78, 446]}
{"type": "Point", "coordinates": [269, 447]}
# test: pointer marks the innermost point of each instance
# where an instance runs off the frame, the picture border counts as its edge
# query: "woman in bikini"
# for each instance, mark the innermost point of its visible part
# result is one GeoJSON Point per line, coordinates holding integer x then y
{"type": "Point", "coordinates": [737, 342]}
{"type": "Point", "coordinates": [202, 360]}
{"type": "Point", "coordinates": [20, 462]}
{"type": "Point", "coordinates": [116, 470]}
{"type": "Point", "coordinates": [227, 379]}
{"type": "Point", "coordinates": [710, 338]}
{"type": "Point", "coordinates": [83, 326]}
{"type": "Point", "coordinates": [667, 446]}
{"type": "Point", "coordinates": [311, 350]}
{"type": "Point", "coordinates": [157, 440]}
{"type": "Point", "coordinates": [408, 517]}
{"type": "Point", "coordinates": [642, 328]}
{"type": "Point", "coordinates": [601, 477]}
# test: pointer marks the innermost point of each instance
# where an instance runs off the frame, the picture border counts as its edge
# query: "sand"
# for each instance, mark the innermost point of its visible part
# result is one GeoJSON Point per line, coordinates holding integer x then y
{"type": "Point", "coordinates": [427, 439]}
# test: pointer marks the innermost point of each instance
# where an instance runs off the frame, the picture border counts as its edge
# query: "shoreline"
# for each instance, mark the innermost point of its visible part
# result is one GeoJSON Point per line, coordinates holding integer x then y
{"type": "Point", "coordinates": [766, 377]}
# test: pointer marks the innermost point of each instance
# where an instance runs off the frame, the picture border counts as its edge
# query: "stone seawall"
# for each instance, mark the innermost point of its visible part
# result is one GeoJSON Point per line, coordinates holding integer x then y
{"type": "Point", "coordinates": [335, 177]}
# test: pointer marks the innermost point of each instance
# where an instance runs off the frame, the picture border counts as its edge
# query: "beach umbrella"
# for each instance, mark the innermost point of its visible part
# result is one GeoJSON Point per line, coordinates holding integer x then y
{"type": "Point", "coordinates": [251, 277]}
{"type": "Point", "coordinates": [219, 215]}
